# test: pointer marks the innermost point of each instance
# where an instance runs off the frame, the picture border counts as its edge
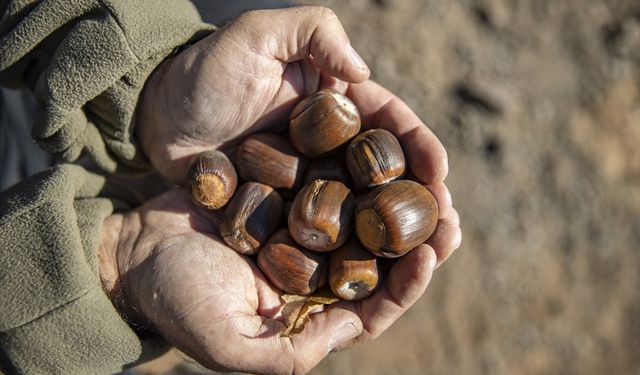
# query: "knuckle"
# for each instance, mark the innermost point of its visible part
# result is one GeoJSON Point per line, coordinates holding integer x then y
{"type": "Point", "coordinates": [453, 217]}
{"type": "Point", "coordinates": [251, 18]}
{"type": "Point", "coordinates": [319, 12]}
{"type": "Point", "coordinates": [249, 15]}
{"type": "Point", "coordinates": [457, 242]}
{"type": "Point", "coordinates": [326, 12]}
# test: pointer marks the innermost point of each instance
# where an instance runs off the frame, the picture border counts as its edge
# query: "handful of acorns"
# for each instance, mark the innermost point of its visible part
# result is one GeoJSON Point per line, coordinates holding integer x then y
{"type": "Point", "coordinates": [317, 168]}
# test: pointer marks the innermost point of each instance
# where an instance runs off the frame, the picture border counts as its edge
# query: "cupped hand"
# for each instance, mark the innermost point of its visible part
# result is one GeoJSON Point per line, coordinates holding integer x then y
{"type": "Point", "coordinates": [243, 78]}
{"type": "Point", "coordinates": [169, 271]}
{"type": "Point", "coordinates": [178, 279]}
{"type": "Point", "coordinates": [186, 284]}
{"type": "Point", "coordinates": [247, 76]}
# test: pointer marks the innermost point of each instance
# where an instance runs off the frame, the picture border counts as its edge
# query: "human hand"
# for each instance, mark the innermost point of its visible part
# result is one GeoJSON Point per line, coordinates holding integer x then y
{"type": "Point", "coordinates": [245, 77]}
{"type": "Point", "coordinates": [210, 302]}
{"type": "Point", "coordinates": [166, 268]}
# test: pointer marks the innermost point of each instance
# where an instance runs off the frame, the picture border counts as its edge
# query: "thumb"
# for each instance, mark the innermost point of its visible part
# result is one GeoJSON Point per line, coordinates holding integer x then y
{"type": "Point", "coordinates": [307, 32]}
{"type": "Point", "coordinates": [257, 345]}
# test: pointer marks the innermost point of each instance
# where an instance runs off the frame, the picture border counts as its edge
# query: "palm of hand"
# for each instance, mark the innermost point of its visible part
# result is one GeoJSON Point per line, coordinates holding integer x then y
{"type": "Point", "coordinates": [190, 286]}
{"type": "Point", "coordinates": [193, 290]}
{"type": "Point", "coordinates": [216, 306]}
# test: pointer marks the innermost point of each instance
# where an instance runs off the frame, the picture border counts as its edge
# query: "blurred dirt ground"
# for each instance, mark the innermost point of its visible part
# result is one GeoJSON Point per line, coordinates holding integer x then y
{"type": "Point", "coordinates": [538, 103]}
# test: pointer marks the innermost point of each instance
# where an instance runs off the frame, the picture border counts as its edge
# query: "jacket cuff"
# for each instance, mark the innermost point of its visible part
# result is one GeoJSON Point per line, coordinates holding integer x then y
{"type": "Point", "coordinates": [88, 63]}
{"type": "Point", "coordinates": [84, 336]}
{"type": "Point", "coordinates": [55, 316]}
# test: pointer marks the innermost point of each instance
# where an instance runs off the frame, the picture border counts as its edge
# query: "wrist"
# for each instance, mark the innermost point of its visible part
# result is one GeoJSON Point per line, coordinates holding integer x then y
{"type": "Point", "coordinates": [107, 253]}
{"type": "Point", "coordinates": [112, 246]}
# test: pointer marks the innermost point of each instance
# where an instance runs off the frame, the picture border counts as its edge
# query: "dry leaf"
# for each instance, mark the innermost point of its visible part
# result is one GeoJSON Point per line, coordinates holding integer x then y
{"type": "Point", "coordinates": [288, 298]}
{"type": "Point", "coordinates": [297, 309]}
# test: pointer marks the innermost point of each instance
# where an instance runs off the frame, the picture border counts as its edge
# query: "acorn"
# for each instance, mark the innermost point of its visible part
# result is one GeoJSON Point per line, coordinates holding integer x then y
{"type": "Point", "coordinates": [291, 267]}
{"type": "Point", "coordinates": [251, 217]}
{"type": "Point", "coordinates": [374, 158]}
{"type": "Point", "coordinates": [272, 160]}
{"type": "Point", "coordinates": [353, 272]}
{"type": "Point", "coordinates": [395, 218]}
{"type": "Point", "coordinates": [332, 168]}
{"type": "Point", "coordinates": [212, 179]}
{"type": "Point", "coordinates": [285, 212]}
{"type": "Point", "coordinates": [320, 216]}
{"type": "Point", "coordinates": [323, 122]}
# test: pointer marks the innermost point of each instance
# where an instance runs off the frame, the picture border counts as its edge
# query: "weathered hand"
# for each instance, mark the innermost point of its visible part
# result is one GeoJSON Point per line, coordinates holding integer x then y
{"type": "Point", "coordinates": [166, 268]}
{"type": "Point", "coordinates": [243, 78]}
{"type": "Point", "coordinates": [215, 305]}
{"type": "Point", "coordinates": [204, 298]}
{"type": "Point", "coordinates": [180, 280]}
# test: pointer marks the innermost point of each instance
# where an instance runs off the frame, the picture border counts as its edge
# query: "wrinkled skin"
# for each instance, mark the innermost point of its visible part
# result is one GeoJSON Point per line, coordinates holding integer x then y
{"type": "Point", "coordinates": [243, 78]}
{"type": "Point", "coordinates": [180, 280]}
{"type": "Point", "coordinates": [164, 263]}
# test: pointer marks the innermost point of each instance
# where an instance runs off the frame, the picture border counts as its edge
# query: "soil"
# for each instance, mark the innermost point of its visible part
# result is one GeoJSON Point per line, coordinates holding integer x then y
{"type": "Point", "coordinates": [538, 104]}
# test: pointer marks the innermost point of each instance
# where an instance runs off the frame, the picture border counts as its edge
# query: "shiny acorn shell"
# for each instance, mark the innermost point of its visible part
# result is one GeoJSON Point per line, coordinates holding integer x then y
{"type": "Point", "coordinates": [251, 217]}
{"type": "Point", "coordinates": [272, 160]}
{"type": "Point", "coordinates": [396, 217]}
{"type": "Point", "coordinates": [374, 158]}
{"type": "Point", "coordinates": [353, 271]}
{"type": "Point", "coordinates": [212, 179]}
{"type": "Point", "coordinates": [320, 216]}
{"type": "Point", "coordinates": [323, 122]}
{"type": "Point", "coordinates": [290, 267]}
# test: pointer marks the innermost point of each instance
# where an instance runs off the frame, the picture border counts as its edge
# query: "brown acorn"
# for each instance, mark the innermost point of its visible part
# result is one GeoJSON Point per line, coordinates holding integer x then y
{"type": "Point", "coordinates": [332, 168]}
{"type": "Point", "coordinates": [270, 159]}
{"type": "Point", "coordinates": [320, 216]}
{"type": "Point", "coordinates": [395, 218]}
{"type": "Point", "coordinates": [211, 179]}
{"type": "Point", "coordinates": [291, 267]}
{"type": "Point", "coordinates": [353, 272]}
{"type": "Point", "coordinates": [375, 158]}
{"type": "Point", "coordinates": [285, 212]}
{"type": "Point", "coordinates": [323, 122]}
{"type": "Point", "coordinates": [251, 217]}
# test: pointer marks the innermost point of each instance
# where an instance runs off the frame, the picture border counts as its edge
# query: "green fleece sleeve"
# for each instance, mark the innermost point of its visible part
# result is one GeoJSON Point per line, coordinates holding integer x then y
{"type": "Point", "coordinates": [54, 315]}
{"type": "Point", "coordinates": [87, 62]}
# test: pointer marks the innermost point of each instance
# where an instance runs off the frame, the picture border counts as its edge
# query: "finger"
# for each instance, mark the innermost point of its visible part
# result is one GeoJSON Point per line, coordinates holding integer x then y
{"type": "Point", "coordinates": [307, 32]}
{"type": "Point", "coordinates": [269, 303]}
{"type": "Point", "coordinates": [406, 282]}
{"type": "Point", "coordinates": [258, 348]}
{"type": "Point", "coordinates": [426, 156]}
{"type": "Point", "coordinates": [447, 237]}
{"type": "Point", "coordinates": [330, 82]}
{"type": "Point", "coordinates": [311, 76]}
{"type": "Point", "coordinates": [443, 197]}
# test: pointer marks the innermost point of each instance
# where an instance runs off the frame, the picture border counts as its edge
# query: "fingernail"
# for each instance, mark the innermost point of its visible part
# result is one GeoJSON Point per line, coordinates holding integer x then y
{"type": "Point", "coordinates": [357, 60]}
{"type": "Point", "coordinates": [342, 335]}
